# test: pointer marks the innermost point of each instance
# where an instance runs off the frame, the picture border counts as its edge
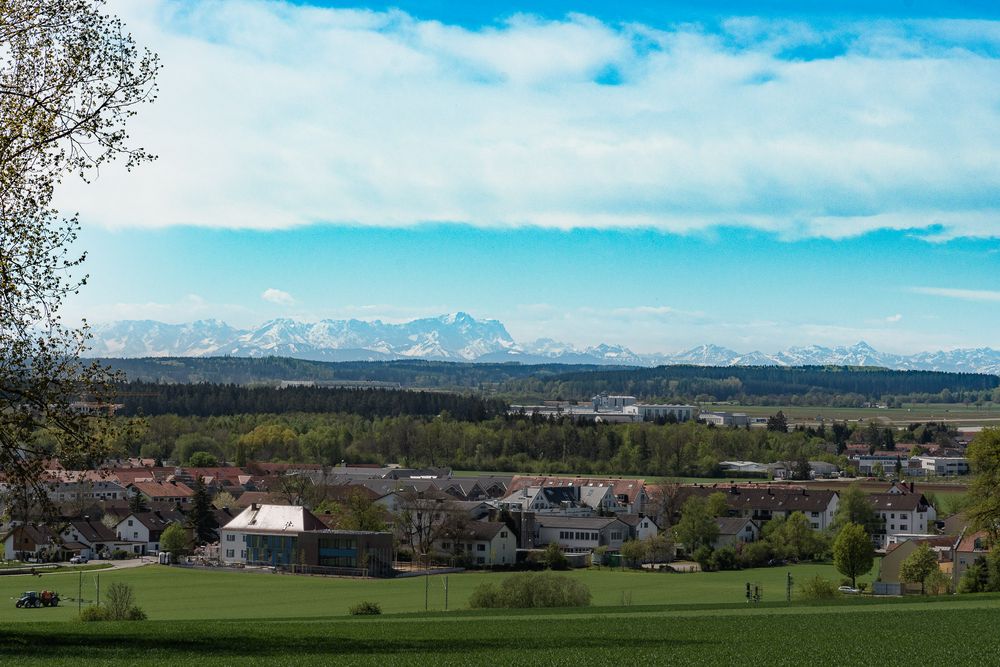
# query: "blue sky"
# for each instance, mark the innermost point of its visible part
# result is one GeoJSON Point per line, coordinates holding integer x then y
{"type": "Point", "coordinates": [740, 174]}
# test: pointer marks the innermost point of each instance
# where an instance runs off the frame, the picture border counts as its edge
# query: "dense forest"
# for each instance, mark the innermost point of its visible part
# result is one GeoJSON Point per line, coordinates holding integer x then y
{"type": "Point", "coordinates": [761, 385]}
{"type": "Point", "coordinates": [769, 385]}
{"type": "Point", "coordinates": [271, 370]}
{"type": "Point", "coordinates": [207, 400]}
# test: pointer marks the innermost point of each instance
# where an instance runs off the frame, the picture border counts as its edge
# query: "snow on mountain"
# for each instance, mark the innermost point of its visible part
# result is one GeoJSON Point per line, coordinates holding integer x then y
{"type": "Point", "coordinates": [461, 337]}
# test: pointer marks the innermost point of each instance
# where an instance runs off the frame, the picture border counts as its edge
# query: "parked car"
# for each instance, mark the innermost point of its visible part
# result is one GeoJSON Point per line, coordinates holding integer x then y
{"type": "Point", "coordinates": [79, 560]}
{"type": "Point", "coordinates": [847, 590]}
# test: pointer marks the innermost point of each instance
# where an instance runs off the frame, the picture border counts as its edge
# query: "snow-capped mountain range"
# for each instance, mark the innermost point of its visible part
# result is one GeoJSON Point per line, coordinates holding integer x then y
{"type": "Point", "coordinates": [460, 337]}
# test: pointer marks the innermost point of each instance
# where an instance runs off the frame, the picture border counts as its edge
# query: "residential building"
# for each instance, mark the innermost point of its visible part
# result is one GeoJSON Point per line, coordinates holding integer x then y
{"type": "Point", "coordinates": [764, 502]}
{"type": "Point", "coordinates": [29, 541]}
{"type": "Point", "coordinates": [901, 513]}
{"type": "Point", "coordinates": [736, 530]}
{"type": "Point", "coordinates": [176, 492]}
{"type": "Point", "coordinates": [480, 543]}
{"type": "Point", "coordinates": [641, 527]}
{"type": "Point", "coordinates": [969, 547]}
{"type": "Point", "coordinates": [144, 529]}
{"type": "Point", "coordinates": [92, 539]}
{"type": "Point", "coordinates": [580, 534]}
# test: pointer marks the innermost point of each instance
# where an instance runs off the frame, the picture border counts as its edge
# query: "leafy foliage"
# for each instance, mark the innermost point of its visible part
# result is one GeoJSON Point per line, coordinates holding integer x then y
{"type": "Point", "coordinates": [529, 590]}
{"type": "Point", "coordinates": [70, 77]}
{"type": "Point", "coordinates": [818, 588]}
{"type": "Point", "coordinates": [853, 552]}
{"type": "Point", "coordinates": [916, 567]}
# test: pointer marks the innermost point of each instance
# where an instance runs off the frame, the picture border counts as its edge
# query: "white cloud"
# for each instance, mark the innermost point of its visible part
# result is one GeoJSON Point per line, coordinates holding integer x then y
{"type": "Point", "coordinates": [273, 115]}
{"type": "Point", "coordinates": [963, 294]}
{"type": "Point", "coordinates": [277, 296]}
{"type": "Point", "coordinates": [894, 318]}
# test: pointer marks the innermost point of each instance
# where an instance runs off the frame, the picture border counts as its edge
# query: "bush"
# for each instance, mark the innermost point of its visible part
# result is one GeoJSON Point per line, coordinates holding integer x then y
{"type": "Point", "coordinates": [93, 613]}
{"type": "Point", "coordinates": [554, 558]}
{"type": "Point", "coordinates": [754, 554]}
{"type": "Point", "coordinates": [937, 583]}
{"type": "Point", "coordinates": [366, 609]}
{"type": "Point", "coordinates": [724, 559]}
{"type": "Point", "coordinates": [121, 604]}
{"type": "Point", "coordinates": [530, 590]}
{"type": "Point", "coordinates": [818, 588]}
{"type": "Point", "coordinates": [703, 556]}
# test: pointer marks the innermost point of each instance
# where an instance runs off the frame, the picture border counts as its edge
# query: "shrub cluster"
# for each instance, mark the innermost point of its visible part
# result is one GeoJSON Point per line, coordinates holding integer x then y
{"type": "Point", "coordinates": [120, 606]}
{"type": "Point", "coordinates": [529, 590]}
{"type": "Point", "coordinates": [366, 608]}
{"type": "Point", "coordinates": [818, 588]}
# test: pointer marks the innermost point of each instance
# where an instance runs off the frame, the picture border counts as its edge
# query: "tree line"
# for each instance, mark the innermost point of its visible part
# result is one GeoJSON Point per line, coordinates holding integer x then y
{"type": "Point", "coordinates": [501, 443]}
{"type": "Point", "coordinates": [208, 400]}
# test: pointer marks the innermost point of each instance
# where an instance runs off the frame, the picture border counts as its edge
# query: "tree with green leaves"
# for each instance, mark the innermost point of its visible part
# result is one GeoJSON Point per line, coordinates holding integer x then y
{"type": "Point", "coordinates": [718, 504]}
{"type": "Point", "coordinates": [918, 565]}
{"type": "Point", "coordinates": [137, 504]}
{"type": "Point", "coordinates": [697, 526]}
{"type": "Point", "coordinates": [778, 422]}
{"type": "Point", "coordinates": [201, 519]}
{"type": "Point", "coordinates": [70, 78]}
{"type": "Point", "coordinates": [853, 552]}
{"type": "Point", "coordinates": [634, 552]}
{"type": "Point", "coordinates": [794, 537]}
{"type": "Point", "coordinates": [854, 506]}
{"type": "Point", "coordinates": [983, 501]}
{"type": "Point", "coordinates": [175, 539]}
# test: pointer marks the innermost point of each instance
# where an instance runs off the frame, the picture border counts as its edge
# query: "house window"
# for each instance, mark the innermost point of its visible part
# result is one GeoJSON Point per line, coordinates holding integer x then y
{"type": "Point", "coordinates": [503, 533]}
{"type": "Point", "coordinates": [230, 553]}
{"type": "Point", "coordinates": [902, 526]}
{"type": "Point", "coordinates": [130, 522]}
{"type": "Point", "coordinates": [230, 538]}
{"type": "Point", "coordinates": [480, 547]}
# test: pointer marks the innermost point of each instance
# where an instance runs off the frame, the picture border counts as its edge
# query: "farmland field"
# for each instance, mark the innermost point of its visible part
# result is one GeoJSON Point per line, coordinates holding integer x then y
{"type": "Point", "coordinates": [854, 632]}
{"type": "Point", "coordinates": [170, 593]}
{"type": "Point", "coordinates": [957, 414]}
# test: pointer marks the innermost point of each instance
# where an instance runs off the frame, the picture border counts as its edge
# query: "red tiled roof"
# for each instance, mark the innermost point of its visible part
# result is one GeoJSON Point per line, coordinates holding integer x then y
{"type": "Point", "coordinates": [163, 489]}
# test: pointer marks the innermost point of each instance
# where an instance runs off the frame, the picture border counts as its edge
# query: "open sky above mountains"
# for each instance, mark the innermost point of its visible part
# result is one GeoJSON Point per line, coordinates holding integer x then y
{"type": "Point", "coordinates": [752, 177]}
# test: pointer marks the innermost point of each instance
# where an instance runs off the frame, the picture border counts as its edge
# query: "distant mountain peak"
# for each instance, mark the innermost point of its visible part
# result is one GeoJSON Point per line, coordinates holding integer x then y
{"type": "Point", "coordinates": [459, 336]}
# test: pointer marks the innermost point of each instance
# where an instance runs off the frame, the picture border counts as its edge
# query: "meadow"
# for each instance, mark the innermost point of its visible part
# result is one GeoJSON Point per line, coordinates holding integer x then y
{"type": "Point", "coordinates": [905, 632]}
{"type": "Point", "coordinates": [173, 593]}
{"type": "Point", "coordinates": [209, 617]}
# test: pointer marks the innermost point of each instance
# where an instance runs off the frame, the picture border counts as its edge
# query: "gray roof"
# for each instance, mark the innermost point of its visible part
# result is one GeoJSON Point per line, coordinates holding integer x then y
{"type": "Point", "coordinates": [592, 523]}
{"type": "Point", "coordinates": [731, 525]}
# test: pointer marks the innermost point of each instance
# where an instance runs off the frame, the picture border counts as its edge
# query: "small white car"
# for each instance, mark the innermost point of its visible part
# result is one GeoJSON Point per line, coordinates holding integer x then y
{"type": "Point", "coordinates": [79, 560]}
{"type": "Point", "coordinates": [848, 590]}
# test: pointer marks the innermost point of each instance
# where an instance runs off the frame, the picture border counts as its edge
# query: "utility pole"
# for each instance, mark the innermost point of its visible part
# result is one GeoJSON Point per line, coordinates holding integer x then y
{"type": "Point", "coordinates": [788, 588]}
{"type": "Point", "coordinates": [446, 592]}
{"type": "Point", "coordinates": [98, 589]}
{"type": "Point", "coordinates": [427, 583]}
{"type": "Point", "coordinates": [79, 595]}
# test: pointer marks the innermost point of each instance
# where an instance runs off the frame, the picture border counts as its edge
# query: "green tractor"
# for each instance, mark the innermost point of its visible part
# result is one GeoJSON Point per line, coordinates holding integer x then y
{"type": "Point", "coordinates": [31, 599]}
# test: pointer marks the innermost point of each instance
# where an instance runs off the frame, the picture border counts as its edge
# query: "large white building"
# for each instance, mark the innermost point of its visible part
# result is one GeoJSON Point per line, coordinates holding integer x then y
{"type": "Point", "coordinates": [654, 411]}
{"type": "Point", "coordinates": [944, 465]}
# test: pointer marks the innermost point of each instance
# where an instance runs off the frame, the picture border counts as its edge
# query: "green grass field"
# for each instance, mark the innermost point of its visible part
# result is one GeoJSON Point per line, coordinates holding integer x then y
{"type": "Point", "coordinates": [170, 593]}
{"type": "Point", "coordinates": [852, 632]}
{"type": "Point", "coordinates": [209, 617]}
